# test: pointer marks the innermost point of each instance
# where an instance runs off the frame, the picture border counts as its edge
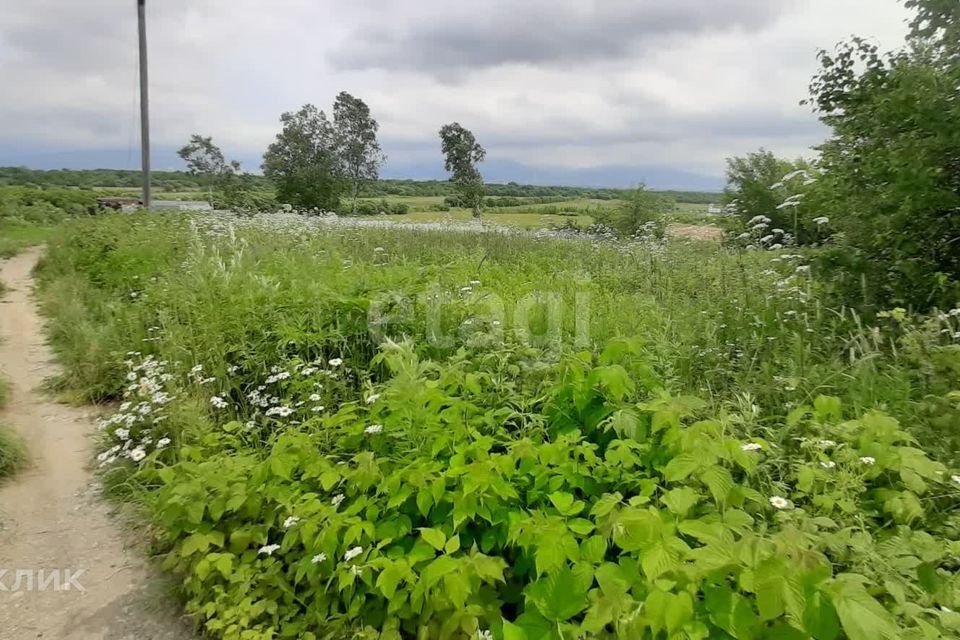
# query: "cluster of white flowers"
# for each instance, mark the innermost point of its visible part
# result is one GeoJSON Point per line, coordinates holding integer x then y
{"type": "Point", "coordinates": [352, 553]}
{"type": "Point", "coordinates": [750, 446]}
{"type": "Point", "coordinates": [373, 428]}
{"type": "Point", "coordinates": [132, 429]}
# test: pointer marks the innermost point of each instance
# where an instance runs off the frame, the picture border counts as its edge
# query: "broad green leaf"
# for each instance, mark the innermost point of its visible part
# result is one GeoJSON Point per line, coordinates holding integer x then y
{"type": "Point", "coordinates": [559, 596]}
{"type": "Point", "coordinates": [731, 612]}
{"type": "Point", "coordinates": [680, 467]}
{"type": "Point", "coordinates": [434, 537]}
{"type": "Point", "coordinates": [681, 500]}
{"type": "Point", "coordinates": [861, 617]}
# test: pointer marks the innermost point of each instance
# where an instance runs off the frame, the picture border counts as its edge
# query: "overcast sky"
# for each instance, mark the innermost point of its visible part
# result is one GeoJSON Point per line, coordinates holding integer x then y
{"type": "Point", "coordinates": [588, 90]}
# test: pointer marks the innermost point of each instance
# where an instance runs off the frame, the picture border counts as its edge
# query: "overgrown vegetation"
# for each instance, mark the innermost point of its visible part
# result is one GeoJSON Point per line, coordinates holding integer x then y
{"type": "Point", "coordinates": [887, 182]}
{"type": "Point", "coordinates": [12, 452]}
{"type": "Point", "coordinates": [398, 434]}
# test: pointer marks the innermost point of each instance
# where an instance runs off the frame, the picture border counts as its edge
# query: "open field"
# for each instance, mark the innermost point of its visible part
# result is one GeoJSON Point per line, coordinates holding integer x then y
{"type": "Point", "coordinates": [389, 432]}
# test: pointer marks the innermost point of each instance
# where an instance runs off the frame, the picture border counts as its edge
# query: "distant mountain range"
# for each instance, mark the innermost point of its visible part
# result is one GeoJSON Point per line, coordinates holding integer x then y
{"type": "Point", "coordinates": [502, 171]}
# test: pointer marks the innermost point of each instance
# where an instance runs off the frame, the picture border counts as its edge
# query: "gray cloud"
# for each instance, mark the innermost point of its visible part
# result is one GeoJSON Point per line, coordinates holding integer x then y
{"type": "Point", "coordinates": [541, 32]}
{"type": "Point", "coordinates": [550, 88]}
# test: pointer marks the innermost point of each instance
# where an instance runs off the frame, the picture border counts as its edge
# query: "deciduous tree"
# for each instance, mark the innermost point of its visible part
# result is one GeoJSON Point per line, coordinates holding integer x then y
{"type": "Point", "coordinates": [359, 151]}
{"type": "Point", "coordinates": [303, 162]}
{"type": "Point", "coordinates": [462, 153]}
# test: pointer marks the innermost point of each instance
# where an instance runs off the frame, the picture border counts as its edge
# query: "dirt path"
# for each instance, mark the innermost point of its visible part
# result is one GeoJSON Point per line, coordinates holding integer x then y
{"type": "Point", "coordinates": [50, 516]}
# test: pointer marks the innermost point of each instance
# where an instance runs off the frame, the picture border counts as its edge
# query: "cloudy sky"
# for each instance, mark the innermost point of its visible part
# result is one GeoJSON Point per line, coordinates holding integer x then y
{"type": "Point", "coordinates": [602, 92]}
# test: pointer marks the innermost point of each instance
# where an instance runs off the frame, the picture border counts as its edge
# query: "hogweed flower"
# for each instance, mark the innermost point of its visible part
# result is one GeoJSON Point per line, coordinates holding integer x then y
{"type": "Point", "coordinates": [750, 446]}
{"type": "Point", "coordinates": [336, 362]}
{"type": "Point", "coordinates": [291, 521]}
{"type": "Point", "coordinates": [352, 553]}
{"type": "Point", "coordinates": [317, 559]}
{"type": "Point", "coordinates": [829, 464]}
{"type": "Point", "coordinates": [218, 402]}
{"type": "Point", "coordinates": [374, 428]}
{"type": "Point", "coordinates": [868, 460]}
{"type": "Point", "coordinates": [268, 550]}
{"type": "Point", "coordinates": [337, 499]}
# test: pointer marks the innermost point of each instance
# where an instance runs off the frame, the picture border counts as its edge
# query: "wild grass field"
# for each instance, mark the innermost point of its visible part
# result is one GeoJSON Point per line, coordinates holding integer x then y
{"type": "Point", "coordinates": [348, 431]}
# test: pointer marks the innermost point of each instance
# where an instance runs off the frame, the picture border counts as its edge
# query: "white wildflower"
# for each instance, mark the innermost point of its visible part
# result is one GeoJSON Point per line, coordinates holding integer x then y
{"type": "Point", "coordinates": [123, 434]}
{"type": "Point", "coordinates": [355, 570]}
{"type": "Point", "coordinates": [163, 443]}
{"type": "Point", "coordinates": [829, 464]}
{"type": "Point", "coordinates": [868, 460]}
{"type": "Point", "coordinates": [291, 521]}
{"type": "Point", "coordinates": [374, 428]}
{"type": "Point", "coordinates": [352, 553]}
{"type": "Point", "coordinates": [750, 446]}
{"type": "Point", "coordinates": [826, 443]}
{"type": "Point", "coordinates": [218, 402]}
{"type": "Point", "coordinates": [337, 499]}
{"type": "Point", "coordinates": [821, 220]}
{"type": "Point", "coordinates": [484, 635]}
{"type": "Point", "coordinates": [314, 397]}
{"type": "Point", "coordinates": [318, 408]}
{"type": "Point", "coordinates": [779, 503]}
{"type": "Point", "coordinates": [268, 550]}
{"type": "Point", "coordinates": [137, 454]}
{"type": "Point", "coordinates": [317, 559]}
{"type": "Point", "coordinates": [955, 479]}
{"type": "Point", "coordinates": [373, 398]}
{"type": "Point", "coordinates": [336, 362]}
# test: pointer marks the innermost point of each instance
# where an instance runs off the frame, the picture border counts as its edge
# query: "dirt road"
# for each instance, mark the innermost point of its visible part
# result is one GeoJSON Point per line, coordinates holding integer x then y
{"type": "Point", "coordinates": [51, 519]}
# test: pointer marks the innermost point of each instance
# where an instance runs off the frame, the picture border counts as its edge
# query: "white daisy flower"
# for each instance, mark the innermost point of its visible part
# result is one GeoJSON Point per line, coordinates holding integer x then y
{"type": "Point", "coordinates": [314, 397]}
{"type": "Point", "coordinates": [218, 402]}
{"type": "Point", "coordinates": [779, 503]}
{"type": "Point", "coordinates": [137, 454]}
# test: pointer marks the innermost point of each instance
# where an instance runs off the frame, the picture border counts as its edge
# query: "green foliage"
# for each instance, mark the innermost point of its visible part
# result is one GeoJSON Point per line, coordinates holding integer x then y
{"type": "Point", "coordinates": [13, 455]}
{"type": "Point", "coordinates": [461, 153]}
{"type": "Point", "coordinates": [303, 162]}
{"type": "Point", "coordinates": [358, 147]}
{"type": "Point", "coordinates": [205, 160]}
{"type": "Point", "coordinates": [890, 178]}
{"type": "Point", "coordinates": [347, 484]}
{"type": "Point", "coordinates": [641, 214]}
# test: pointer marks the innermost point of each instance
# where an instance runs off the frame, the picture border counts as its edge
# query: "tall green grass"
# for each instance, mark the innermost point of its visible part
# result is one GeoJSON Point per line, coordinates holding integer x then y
{"type": "Point", "coordinates": [348, 431]}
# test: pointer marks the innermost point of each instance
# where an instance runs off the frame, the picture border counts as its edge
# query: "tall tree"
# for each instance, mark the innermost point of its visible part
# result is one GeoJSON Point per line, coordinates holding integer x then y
{"type": "Point", "coordinates": [462, 154]}
{"type": "Point", "coordinates": [890, 172]}
{"type": "Point", "coordinates": [359, 150]}
{"type": "Point", "coordinates": [205, 160]}
{"type": "Point", "coordinates": [303, 162]}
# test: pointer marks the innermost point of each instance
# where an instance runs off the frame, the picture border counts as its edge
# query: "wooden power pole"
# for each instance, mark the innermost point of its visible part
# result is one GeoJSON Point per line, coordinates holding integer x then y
{"type": "Point", "coordinates": [144, 104]}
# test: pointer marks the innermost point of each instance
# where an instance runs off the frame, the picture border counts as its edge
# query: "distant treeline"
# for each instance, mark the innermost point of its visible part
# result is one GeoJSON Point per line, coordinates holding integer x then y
{"type": "Point", "coordinates": [183, 181]}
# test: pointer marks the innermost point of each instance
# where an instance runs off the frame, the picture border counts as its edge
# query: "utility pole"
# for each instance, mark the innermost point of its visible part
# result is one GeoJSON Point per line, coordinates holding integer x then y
{"type": "Point", "coordinates": [144, 104]}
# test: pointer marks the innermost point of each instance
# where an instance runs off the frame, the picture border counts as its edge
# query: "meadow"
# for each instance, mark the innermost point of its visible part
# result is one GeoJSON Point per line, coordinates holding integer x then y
{"type": "Point", "coordinates": [345, 430]}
